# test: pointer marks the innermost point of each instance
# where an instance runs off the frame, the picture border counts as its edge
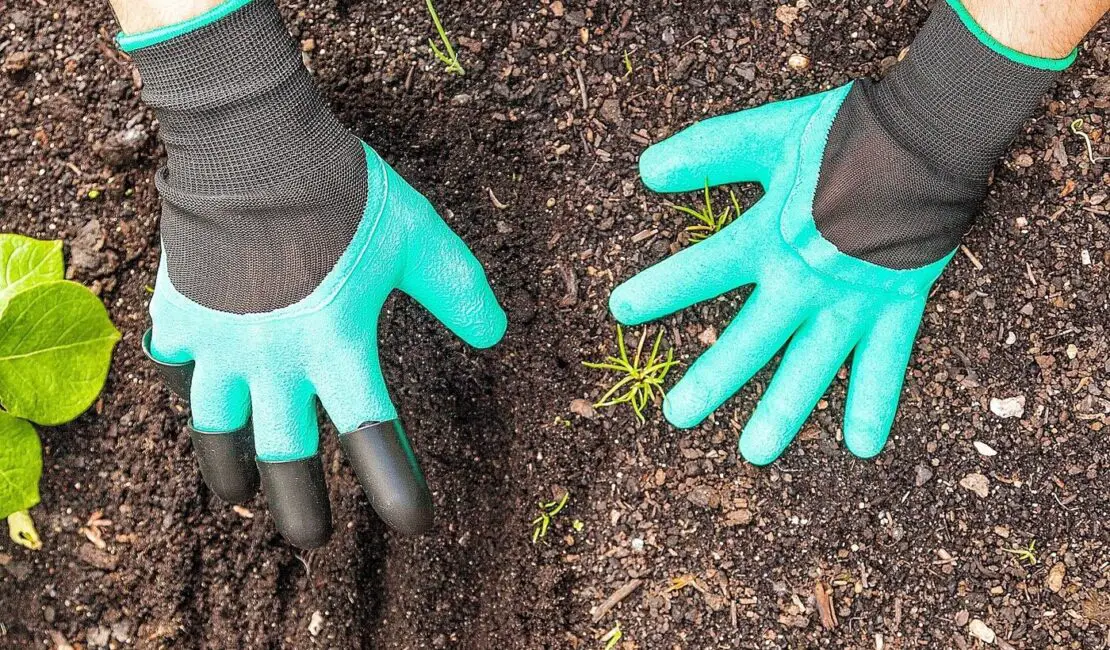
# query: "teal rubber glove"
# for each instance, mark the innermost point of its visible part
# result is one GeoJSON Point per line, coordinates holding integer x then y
{"type": "Point", "coordinates": [282, 236]}
{"type": "Point", "coordinates": [263, 373]}
{"type": "Point", "coordinates": [807, 292]}
{"type": "Point", "coordinates": [892, 173]}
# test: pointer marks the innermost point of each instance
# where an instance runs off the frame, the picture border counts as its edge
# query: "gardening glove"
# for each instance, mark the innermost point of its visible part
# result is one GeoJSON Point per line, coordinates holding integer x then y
{"type": "Point", "coordinates": [282, 236]}
{"type": "Point", "coordinates": [868, 190]}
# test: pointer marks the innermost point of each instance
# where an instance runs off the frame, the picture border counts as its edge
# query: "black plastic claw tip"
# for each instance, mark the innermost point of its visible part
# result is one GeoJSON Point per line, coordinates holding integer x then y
{"type": "Point", "coordinates": [227, 462]}
{"type": "Point", "coordinates": [298, 498]}
{"type": "Point", "coordinates": [178, 376]}
{"type": "Point", "coordinates": [390, 475]}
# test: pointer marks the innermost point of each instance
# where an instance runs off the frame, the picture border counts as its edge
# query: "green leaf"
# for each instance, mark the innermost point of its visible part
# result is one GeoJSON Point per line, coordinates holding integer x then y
{"type": "Point", "coordinates": [55, 346]}
{"type": "Point", "coordinates": [20, 465]}
{"type": "Point", "coordinates": [25, 262]}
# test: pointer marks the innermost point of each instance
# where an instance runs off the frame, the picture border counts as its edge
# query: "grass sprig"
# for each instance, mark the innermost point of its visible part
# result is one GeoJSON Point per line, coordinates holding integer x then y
{"type": "Point", "coordinates": [613, 637]}
{"type": "Point", "coordinates": [445, 55]}
{"type": "Point", "coordinates": [1076, 128]}
{"type": "Point", "coordinates": [547, 512]}
{"type": "Point", "coordinates": [640, 381]}
{"type": "Point", "coordinates": [709, 223]}
{"type": "Point", "coordinates": [1027, 555]}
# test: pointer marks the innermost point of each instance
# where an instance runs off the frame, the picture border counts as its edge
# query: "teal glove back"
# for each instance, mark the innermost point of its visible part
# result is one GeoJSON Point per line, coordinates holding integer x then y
{"type": "Point", "coordinates": [820, 303]}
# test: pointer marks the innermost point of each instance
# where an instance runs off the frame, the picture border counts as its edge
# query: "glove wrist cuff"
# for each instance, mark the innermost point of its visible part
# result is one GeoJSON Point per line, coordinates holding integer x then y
{"type": "Point", "coordinates": [237, 110]}
{"type": "Point", "coordinates": [960, 97]}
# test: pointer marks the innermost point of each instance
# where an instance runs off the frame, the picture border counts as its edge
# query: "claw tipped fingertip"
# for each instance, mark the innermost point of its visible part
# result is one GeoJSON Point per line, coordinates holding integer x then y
{"type": "Point", "coordinates": [227, 462]}
{"type": "Point", "coordinates": [298, 498]}
{"type": "Point", "coordinates": [390, 475]}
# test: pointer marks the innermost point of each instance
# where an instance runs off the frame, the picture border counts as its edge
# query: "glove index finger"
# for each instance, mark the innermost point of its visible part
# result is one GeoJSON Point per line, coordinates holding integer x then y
{"type": "Point", "coordinates": [686, 278]}
{"type": "Point", "coordinates": [740, 147]}
{"type": "Point", "coordinates": [712, 267]}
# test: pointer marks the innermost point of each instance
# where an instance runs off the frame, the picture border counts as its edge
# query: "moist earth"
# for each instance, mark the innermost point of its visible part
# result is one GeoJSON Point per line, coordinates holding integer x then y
{"type": "Point", "coordinates": [531, 157]}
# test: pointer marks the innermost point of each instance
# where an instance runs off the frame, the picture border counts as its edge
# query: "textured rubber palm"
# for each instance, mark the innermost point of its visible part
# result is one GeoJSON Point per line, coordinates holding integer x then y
{"type": "Point", "coordinates": [809, 297]}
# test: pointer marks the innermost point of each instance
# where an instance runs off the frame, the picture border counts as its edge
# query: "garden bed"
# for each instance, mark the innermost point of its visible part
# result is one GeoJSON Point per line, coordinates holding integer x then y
{"type": "Point", "coordinates": [550, 121]}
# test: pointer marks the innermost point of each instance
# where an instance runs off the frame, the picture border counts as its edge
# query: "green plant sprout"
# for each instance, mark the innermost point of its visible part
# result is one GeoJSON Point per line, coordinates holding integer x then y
{"type": "Point", "coordinates": [1075, 128]}
{"type": "Point", "coordinates": [449, 59]}
{"type": "Point", "coordinates": [547, 513]}
{"type": "Point", "coordinates": [1027, 555]}
{"type": "Point", "coordinates": [613, 637]}
{"type": "Point", "coordinates": [641, 382]}
{"type": "Point", "coordinates": [710, 223]}
{"type": "Point", "coordinates": [627, 64]}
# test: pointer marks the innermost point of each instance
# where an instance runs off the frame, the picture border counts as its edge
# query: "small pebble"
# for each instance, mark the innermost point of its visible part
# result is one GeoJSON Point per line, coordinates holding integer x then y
{"type": "Point", "coordinates": [1010, 407]}
{"type": "Point", "coordinates": [984, 449]}
{"type": "Point", "coordinates": [798, 61]}
{"type": "Point", "coordinates": [977, 483]}
{"type": "Point", "coordinates": [316, 623]}
{"type": "Point", "coordinates": [979, 630]}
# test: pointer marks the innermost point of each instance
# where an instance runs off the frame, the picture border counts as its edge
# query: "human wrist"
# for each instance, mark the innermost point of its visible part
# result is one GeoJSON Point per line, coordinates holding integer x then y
{"type": "Point", "coordinates": [1034, 28]}
{"type": "Point", "coordinates": [1021, 34]}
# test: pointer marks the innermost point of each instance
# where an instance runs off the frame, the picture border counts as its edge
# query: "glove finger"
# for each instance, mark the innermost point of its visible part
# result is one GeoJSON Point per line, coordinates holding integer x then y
{"type": "Point", "coordinates": [286, 440]}
{"type": "Point", "coordinates": [356, 400]}
{"type": "Point", "coordinates": [390, 475]}
{"type": "Point", "coordinates": [177, 376]}
{"type": "Point", "coordinates": [444, 276]}
{"type": "Point", "coordinates": [712, 267]}
{"type": "Point", "coordinates": [812, 358]}
{"type": "Point", "coordinates": [741, 147]}
{"type": "Point", "coordinates": [298, 498]}
{"type": "Point", "coordinates": [878, 370]}
{"type": "Point", "coordinates": [763, 325]}
{"type": "Point", "coordinates": [221, 434]}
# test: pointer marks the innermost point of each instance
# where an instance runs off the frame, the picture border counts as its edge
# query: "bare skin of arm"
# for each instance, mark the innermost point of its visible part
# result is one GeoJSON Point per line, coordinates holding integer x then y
{"type": "Point", "coordinates": [1044, 28]}
{"type": "Point", "coordinates": [137, 16]}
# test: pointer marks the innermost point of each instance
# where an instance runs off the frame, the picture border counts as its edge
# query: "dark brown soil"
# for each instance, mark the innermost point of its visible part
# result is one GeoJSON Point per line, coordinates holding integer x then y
{"type": "Point", "coordinates": [910, 557]}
